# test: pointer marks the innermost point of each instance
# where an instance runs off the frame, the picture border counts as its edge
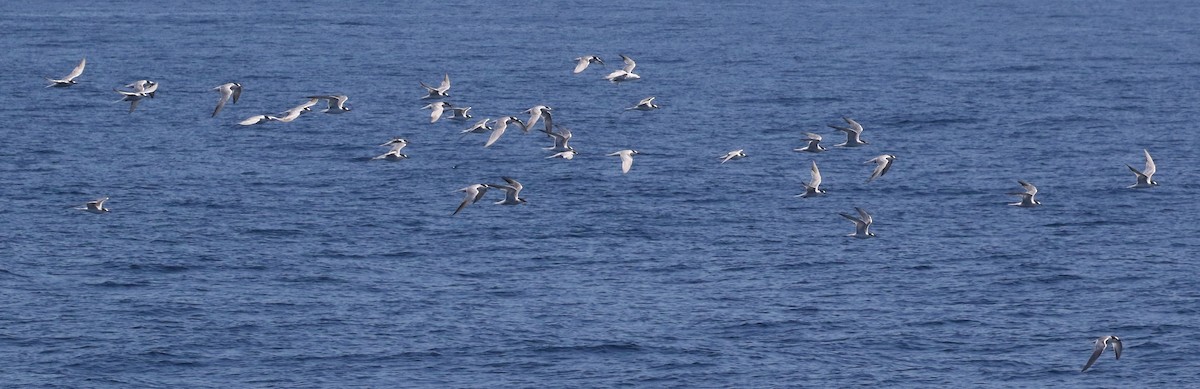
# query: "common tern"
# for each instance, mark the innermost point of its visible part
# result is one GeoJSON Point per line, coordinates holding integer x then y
{"type": "Point", "coordinates": [853, 133]}
{"type": "Point", "coordinates": [512, 192]}
{"type": "Point", "coordinates": [626, 159]}
{"type": "Point", "coordinates": [227, 90]}
{"type": "Point", "coordinates": [582, 63]}
{"type": "Point", "coordinates": [862, 224]}
{"type": "Point", "coordinates": [624, 74]}
{"type": "Point", "coordinates": [647, 104]}
{"type": "Point", "coordinates": [1027, 197]}
{"type": "Point", "coordinates": [813, 187]}
{"type": "Point", "coordinates": [439, 92]}
{"type": "Point", "coordinates": [95, 206]}
{"type": "Point", "coordinates": [1145, 178]}
{"type": "Point", "coordinates": [1101, 344]}
{"type": "Point", "coordinates": [501, 126]}
{"type": "Point", "coordinates": [337, 103]}
{"type": "Point", "coordinates": [437, 108]}
{"type": "Point", "coordinates": [70, 78]}
{"type": "Point", "coordinates": [736, 154]}
{"type": "Point", "coordinates": [814, 144]}
{"type": "Point", "coordinates": [397, 144]}
{"type": "Point", "coordinates": [474, 192]}
{"type": "Point", "coordinates": [882, 164]}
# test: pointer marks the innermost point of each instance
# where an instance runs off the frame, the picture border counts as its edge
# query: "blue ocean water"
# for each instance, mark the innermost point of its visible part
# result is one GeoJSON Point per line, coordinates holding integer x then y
{"type": "Point", "coordinates": [280, 255]}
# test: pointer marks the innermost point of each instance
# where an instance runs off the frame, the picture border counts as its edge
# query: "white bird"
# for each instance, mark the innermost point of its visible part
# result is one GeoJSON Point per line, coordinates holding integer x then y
{"type": "Point", "coordinates": [512, 192]}
{"type": "Point", "coordinates": [397, 144]}
{"type": "Point", "coordinates": [736, 154]}
{"type": "Point", "coordinates": [536, 114]}
{"type": "Point", "coordinates": [295, 112]}
{"type": "Point", "coordinates": [882, 164]}
{"type": "Point", "coordinates": [569, 154]}
{"type": "Point", "coordinates": [437, 108]}
{"type": "Point", "coordinates": [461, 113]}
{"type": "Point", "coordinates": [582, 63]}
{"type": "Point", "coordinates": [1145, 178]}
{"type": "Point", "coordinates": [227, 90]}
{"type": "Point", "coordinates": [337, 103]}
{"type": "Point", "coordinates": [134, 98]}
{"type": "Point", "coordinates": [814, 144]}
{"type": "Point", "coordinates": [862, 224]}
{"type": "Point", "coordinates": [624, 74]}
{"type": "Point", "coordinates": [1027, 197]}
{"type": "Point", "coordinates": [474, 192]}
{"type": "Point", "coordinates": [256, 119]}
{"type": "Point", "coordinates": [501, 125]}
{"type": "Point", "coordinates": [560, 139]}
{"type": "Point", "coordinates": [95, 206]}
{"type": "Point", "coordinates": [626, 159]}
{"type": "Point", "coordinates": [646, 104]}
{"type": "Point", "coordinates": [70, 78]}
{"type": "Point", "coordinates": [1101, 344]}
{"type": "Point", "coordinates": [439, 92]}
{"type": "Point", "coordinates": [853, 133]}
{"type": "Point", "coordinates": [813, 187]}
{"type": "Point", "coordinates": [479, 128]}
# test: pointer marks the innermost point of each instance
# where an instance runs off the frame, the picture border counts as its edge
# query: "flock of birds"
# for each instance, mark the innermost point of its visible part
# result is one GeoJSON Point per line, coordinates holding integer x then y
{"type": "Point", "coordinates": [561, 136]}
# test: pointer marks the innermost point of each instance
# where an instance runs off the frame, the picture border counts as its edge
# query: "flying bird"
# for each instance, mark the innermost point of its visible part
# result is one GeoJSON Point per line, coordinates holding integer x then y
{"type": "Point", "coordinates": [882, 164]}
{"type": "Point", "coordinates": [70, 78]}
{"type": "Point", "coordinates": [736, 154]}
{"type": "Point", "coordinates": [814, 144]}
{"type": "Point", "coordinates": [569, 154]}
{"type": "Point", "coordinates": [479, 128]}
{"type": "Point", "coordinates": [582, 63]}
{"type": "Point", "coordinates": [626, 159]}
{"type": "Point", "coordinates": [1027, 197]}
{"type": "Point", "coordinates": [647, 104]}
{"type": "Point", "coordinates": [294, 112]}
{"type": "Point", "coordinates": [1101, 344]}
{"type": "Point", "coordinates": [512, 192]}
{"type": "Point", "coordinates": [439, 92]}
{"type": "Point", "coordinates": [394, 154]}
{"type": "Point", "coordinates": [624, 74]}
{"type": "Point", "coordinates": [813, 187]}
{"type": "Point", "coordinates": [1145, 178]}
{"type": "Point", "coordinates": [862, 224]}
{"type": "Point", "coordinates": [95, 206]}
{"type": "Point", "coordinates": [437, 108]}
{"type": "Point", "coordinates": [257, 119]}
{"type": "Point", "coordinates": [501, 126]}
{"type": "Point", "coordinates": [227, 90]}
{"type": "Point", "coordinates": [337, 103]}
{"type": "Point", "coordinates": [474, 192]}
{"type": "Point", "coordinates": [853, 133]}
{"type": "Point", "coordinates": [536, 114]}
{"type": "Point", "coordinates": [560, 139]}
{"type": "Point", "coordinates": [461, 113]}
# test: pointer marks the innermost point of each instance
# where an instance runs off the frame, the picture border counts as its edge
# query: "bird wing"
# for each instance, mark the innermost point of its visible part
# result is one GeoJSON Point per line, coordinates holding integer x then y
{"type": "Point", "coordinates": [1029, 188]}
{"type": "Point", "coordinates": [629, 64]}
{"type": "Point", "coordinates": [77, 71]}
{"type": "Point", "coordinates": [1096, 351]}
{"type": "Point", "coordinates": [516, 185]}
{"type": "Point", "coordinates": [225, 94]}
{"type": "Point", "coordinates": [1150, 168]}
{"type": "Point", "coordinates": [445, 85]}
{"type": "Point", "coordinates": [496, 133]}
{"type": "Point", "coordinates": [237, 93]}
{"type": "Point", "coordinates": [853, 124]}
{"type": "Point", "coordinates": [626, 162]}
{"type": "Point", "coordinates": [1117, 346]}
{"type": "Point", "coordinates": [816, 176]}
{"type": "Point", "coordinates": [581, 63]}
{"type": "Point", "coordinates": [812, 136]}
{"type": "Point", "coordinates": [866, 217]}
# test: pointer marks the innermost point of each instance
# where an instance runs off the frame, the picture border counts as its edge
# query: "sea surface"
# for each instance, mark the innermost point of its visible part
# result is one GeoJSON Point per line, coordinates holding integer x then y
{"type": "Point", "coordinates": [281, 255]}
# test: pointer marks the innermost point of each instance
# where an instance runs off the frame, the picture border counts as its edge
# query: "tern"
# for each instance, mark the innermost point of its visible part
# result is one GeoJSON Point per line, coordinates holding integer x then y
{"type": "Point", "coordinates": [437, 108]}
{"type": "Point", "coordinates": [132, 97]}
{"type": "Point", "coordinates": [1101, 344]}
{"type": "Point", "coordinates": [227, 90]}
{"type": "Point", "coordinates": [397, 144]}
{"type": "Point", "coordinates": [479, 128]}
{"type": "Point", "coordinates": [853, 133]}
{"type": "Point", "coordinates": [439, 92]}
{"type": "Point", "coordinates": [1145, 177]}
{"type": "Point", "coordinates": [536, 114]}
{"type": "Point", "coordinates": [70, 78]}
{"type": "Point", "coordinates": [646, 104]}
{"type": "Point", "coordinates": [337, 103]}
{"type": "Point", "coordinates": [95, 206]}
{"type": "Point", "coordinates": [257, 119]}
{"type": "Point", "coordinates": [862, 224]}
{"type": "Point", "coordinates": [474, 192]}
{"type": "Point", "coordinates": [295, 112]}
{"type": "Point", "coordinates": [461, 113]}
{"type": "Point", "coordinates": [736, 154]}
{"type": "Point", "coordinates": [582, 63]}
{"type": "Point", "coordinates": [625, 73]}
{"type": "Point", "coordinates": [512, 192]}
{"type": "Point", "coordinates": [882, 164]}
{"type": "Point", "coordinates": [569, 154]}
{"type": "Point", "coordinates": [626, 159]}
{"type": "Point", "coordinates": [814, 144]}
{"type": "Point", "coordinates": [813, 187]}
{"type": "Point", "coordinates": [560, 139]}
{"type": "Point", "coordinates": [1027, 197]}
{"type": "Point", "coordinates": [501, 125]}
